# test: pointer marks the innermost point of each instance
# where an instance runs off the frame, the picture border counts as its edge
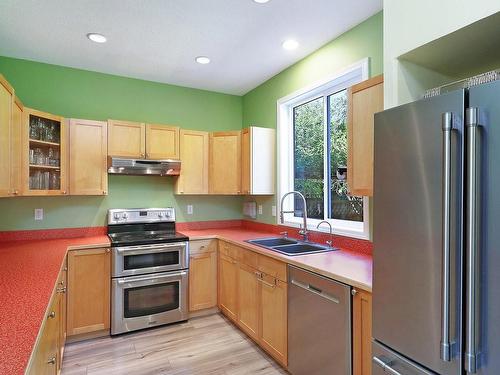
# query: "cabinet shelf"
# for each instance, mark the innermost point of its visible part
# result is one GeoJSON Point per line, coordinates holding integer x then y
{"type": "Point", "coordinates": [37, 142]}
{"type": "Point", "coordinates": [51, 167]}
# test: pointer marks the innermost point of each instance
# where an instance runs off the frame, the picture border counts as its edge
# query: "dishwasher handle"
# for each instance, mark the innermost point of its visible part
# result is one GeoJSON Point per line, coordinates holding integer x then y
{"type": "Point", "coordinates": [311, 289]}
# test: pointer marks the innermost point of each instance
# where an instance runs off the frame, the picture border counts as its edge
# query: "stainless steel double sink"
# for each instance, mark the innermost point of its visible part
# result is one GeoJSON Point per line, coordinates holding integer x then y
{"type": "Point", "coordinates": [290, 246]}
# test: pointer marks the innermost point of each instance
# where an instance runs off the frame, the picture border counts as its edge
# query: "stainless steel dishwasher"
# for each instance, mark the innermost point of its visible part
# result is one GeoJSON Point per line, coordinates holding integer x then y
{"type": "Point", "coordinates": [319, 324]}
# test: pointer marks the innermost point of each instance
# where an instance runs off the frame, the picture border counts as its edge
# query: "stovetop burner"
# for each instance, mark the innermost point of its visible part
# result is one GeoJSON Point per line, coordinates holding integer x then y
{"type": "Point", "coordinates": [130, 227]}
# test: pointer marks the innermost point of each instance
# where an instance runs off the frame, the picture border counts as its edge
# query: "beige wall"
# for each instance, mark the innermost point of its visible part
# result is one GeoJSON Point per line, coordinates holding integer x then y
{"type": "Point", "coordinates": [409, 24]}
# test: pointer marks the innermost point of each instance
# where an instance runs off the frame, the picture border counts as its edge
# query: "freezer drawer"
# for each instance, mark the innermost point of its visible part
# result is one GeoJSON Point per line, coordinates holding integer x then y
{"type": "Point", "coordinates": [319, 325]}
{"type": "Point", "coordinates": [385, 361]}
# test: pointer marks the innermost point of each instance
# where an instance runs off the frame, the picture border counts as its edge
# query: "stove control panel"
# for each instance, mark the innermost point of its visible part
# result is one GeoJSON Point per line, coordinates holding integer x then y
{"type": "Point", "coordinates": [141, 215]}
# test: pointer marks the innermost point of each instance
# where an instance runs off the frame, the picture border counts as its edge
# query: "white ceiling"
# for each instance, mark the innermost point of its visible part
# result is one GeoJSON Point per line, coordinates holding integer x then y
{"type": "Point", "coordinates": [158, 40]}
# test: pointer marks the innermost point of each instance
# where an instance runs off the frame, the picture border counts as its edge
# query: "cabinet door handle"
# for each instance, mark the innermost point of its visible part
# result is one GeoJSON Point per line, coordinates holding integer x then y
{"type": "Point", "coordinates": [52, 315]}
{"type": "Point", "coordinates": [61, 290]}
{"type": "Point", "coordinates": [51, 361]}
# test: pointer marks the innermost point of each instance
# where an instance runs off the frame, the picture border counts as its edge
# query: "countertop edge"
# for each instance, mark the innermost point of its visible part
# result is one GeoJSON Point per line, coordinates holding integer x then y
{"type": "Point", "coordinates": [284, 258]}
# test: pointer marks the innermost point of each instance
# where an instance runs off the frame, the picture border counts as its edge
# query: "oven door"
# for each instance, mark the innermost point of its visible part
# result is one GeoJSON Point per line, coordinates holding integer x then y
{"type": "Point", "coordinates": [149, 300]}
{"type": "Point", "coordinates": [142, 259]}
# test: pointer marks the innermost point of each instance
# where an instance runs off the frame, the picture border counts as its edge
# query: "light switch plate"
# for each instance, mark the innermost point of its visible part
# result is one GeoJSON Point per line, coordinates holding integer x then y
{"type": "Point", "coordinates": [260, 209]}
{"type": "Point", "coordinates": [273, 210]}
{"type": "Point", "coordinates": [189, 209]}
{"type": "Point", "coordinates": [38, 213]}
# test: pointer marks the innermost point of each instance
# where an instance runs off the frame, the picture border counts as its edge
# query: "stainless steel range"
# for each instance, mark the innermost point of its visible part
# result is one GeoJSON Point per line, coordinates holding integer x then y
{"type": "Point", "coordinates": [150, 263]}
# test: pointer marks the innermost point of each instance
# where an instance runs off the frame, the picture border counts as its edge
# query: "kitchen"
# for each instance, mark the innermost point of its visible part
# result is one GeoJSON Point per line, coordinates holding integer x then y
{"type": "Point", "coordinates": [166, 211]}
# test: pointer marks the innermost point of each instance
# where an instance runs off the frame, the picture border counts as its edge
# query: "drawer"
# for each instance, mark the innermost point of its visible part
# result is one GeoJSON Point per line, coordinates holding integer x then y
{"type": "Point", "coordinates": [228, 249]}
{"type": "Point", "coordinates": [249, 258]}
{"type": "Point", "coordinates": [202, 246]}
{"type": "Point", "coordinates": [272, 267]}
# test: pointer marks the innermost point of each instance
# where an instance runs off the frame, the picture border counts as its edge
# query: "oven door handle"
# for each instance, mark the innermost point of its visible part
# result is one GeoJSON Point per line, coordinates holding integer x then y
{"type": "Point", "coordinates": [145, 248]}
{"type": "Point", "coordinates": [127, 280]}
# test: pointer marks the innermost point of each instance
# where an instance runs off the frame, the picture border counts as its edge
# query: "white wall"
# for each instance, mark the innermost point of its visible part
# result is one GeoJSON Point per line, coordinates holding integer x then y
{"type": "Point", "coordinates": [409, 24]}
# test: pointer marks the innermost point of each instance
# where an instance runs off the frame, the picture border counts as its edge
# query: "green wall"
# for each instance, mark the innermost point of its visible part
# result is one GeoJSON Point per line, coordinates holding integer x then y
{"type": "Point", "coordinates": [83, 94]}
{"type": "Point", "coordinates": [259, 105]}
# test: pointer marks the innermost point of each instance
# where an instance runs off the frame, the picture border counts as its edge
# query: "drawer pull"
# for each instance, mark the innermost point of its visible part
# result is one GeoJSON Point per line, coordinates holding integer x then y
{"type": "Point", "coordinates": [266, 283]}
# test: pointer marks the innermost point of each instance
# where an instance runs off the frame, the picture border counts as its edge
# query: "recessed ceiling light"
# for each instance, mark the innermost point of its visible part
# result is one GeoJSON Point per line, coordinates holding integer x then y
{"type": "Point", "coordinates": [261, 1]}
{"type": "Point", "coordinates": [98, 38]}
{"type": "Point", "coordinates": [202, 60]}
{"type": "Point", "coordinates": [290, 44]}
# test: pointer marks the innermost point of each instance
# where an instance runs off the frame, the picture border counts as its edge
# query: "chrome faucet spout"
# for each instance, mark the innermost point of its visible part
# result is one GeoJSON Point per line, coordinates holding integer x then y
{"type": "Point", "coordinates": [304, 232]}
{"type": "Point", "coordinates": [330, 242]}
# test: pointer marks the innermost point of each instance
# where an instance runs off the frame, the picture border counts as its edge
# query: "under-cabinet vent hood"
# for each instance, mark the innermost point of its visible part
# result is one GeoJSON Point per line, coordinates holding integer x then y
{"type": "Point", "coordinates": [144, 167]}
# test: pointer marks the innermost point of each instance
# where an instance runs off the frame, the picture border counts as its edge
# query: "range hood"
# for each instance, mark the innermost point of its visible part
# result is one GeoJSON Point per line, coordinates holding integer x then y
{"type": "Point", "coordinates": [144, 167]}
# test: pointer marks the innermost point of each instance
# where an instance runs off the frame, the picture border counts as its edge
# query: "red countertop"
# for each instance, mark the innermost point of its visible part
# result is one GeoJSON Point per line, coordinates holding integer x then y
{"type": "Point", "coordinates": [347, 265]}
{"type": "Point", "coordinates": [28, 274]}
{"type": "Point", "coordinates": [29, 271]}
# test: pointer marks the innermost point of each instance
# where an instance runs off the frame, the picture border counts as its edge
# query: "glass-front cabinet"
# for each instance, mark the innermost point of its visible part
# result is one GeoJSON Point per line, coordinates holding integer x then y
{"type": "Point", "coordinates": [45, 154]}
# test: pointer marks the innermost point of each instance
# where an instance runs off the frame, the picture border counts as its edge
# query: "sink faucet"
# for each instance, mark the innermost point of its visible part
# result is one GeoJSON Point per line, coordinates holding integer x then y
{"type": "Point", "coordinates": [330, 242]}
{"type": "Point", "coordinates": [303, 230]}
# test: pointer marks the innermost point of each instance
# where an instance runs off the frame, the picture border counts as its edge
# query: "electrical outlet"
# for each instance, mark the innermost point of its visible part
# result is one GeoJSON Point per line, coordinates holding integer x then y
{"type": "Point", "coordinates": [38, 213]}
{"type": "Point", "coordinates": [260, 209]}
{"type": "Point", "coordinates": [273, 210]}
{"type": "Point", "coordinates": [189, 209]}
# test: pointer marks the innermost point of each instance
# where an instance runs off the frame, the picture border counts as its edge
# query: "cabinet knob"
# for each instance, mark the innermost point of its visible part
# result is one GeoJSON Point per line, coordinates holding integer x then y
{"type": "Point", "coordinates": [104, 192]}
{"type": "Point", "coordinates": [354, 292]}
{"type": "Point", "coordinates": [51, 361]}
{"type": "Point", "coordinates": [63, 192]}
{"type": "Point", "coordinates": [52, 315]}
{"type": "Point", "coordinates": [142, 155]}
{"type": "Point", "coordinates": [15, 192]}
{"type": "Point", "coordinates": [62, 290]}
{"type": "Point", "coordinates": [108, 250]}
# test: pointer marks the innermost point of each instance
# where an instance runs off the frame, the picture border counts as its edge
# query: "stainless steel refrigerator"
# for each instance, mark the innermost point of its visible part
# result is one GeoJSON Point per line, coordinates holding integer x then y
{"type": "Point", "coordinates": [436, 287]}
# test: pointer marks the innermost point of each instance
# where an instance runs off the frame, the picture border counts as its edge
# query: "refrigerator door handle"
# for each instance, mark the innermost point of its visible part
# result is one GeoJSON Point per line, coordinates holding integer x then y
{"type": "Point", "coordinates": [446, 342]}
{"type": "Point", "coordinates": [472, 237]}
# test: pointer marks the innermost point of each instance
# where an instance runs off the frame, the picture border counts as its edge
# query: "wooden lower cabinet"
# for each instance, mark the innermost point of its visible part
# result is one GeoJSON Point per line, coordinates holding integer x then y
{"type": "Point", "coordinates": [249, 300]}
{"type": "Point", "coordinates": [256, 301]}
{"type": "Point", "coordinates": [274, 319]}
{"type": "Point", "coordinates": [362, 333]}
{"type": "Point", "coordinates": [47, 355]}
{"type": "Point", "coordinates": [202, 275]}
{"type": "Point", "coordinates": [89, 278]}
{"type": "Point", "coordinates": [228, 287]}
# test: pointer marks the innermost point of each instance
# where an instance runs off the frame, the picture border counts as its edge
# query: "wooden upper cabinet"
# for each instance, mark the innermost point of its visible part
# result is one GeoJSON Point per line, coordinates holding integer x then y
{"type": "Point", "coordinates": [6, 107]}
{"type": "Point", "coordinates": [365, 99]}
{"type": "Point", "coordinates": [362, 332]}
{"type": "Point", "coordinates": [126, 139]}
{"type": "Point", "coordinates": [16, 142]}
{"type": "Point", "coordinates": [258, 161]}
{"type": "Point", "coordinates": [225, 163]}
{"type": "Point", "coordinates": [88, 157]}
{"type": "Point", "coordinates": [162, 142]}
{"type": "Point", "coordinates": [89, 278]}
{"type": "Point", "coordinates": [194, 157]}
{"type": "Point", "coordinates": [45, 153]}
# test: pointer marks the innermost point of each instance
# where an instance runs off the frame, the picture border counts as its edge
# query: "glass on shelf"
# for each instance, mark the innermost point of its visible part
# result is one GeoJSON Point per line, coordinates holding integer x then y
{"type": "Point", "coordinates": [43, 129]}
{"type": "Point", "coordinates": [44, 180]}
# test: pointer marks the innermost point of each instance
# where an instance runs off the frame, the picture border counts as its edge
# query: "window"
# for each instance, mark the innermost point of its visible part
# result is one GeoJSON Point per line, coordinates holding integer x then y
{"type": "Point", "coordinates": [312, 131]}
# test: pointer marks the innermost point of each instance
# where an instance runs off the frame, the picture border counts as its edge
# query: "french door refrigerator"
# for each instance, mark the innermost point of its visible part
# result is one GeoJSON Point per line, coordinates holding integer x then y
{"type": "Point", "coordinates": [436, 287]}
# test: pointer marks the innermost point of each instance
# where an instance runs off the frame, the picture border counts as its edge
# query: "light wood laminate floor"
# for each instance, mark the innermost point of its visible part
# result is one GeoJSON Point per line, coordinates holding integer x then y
{"type": "Point", "coordinates": [202, 346]}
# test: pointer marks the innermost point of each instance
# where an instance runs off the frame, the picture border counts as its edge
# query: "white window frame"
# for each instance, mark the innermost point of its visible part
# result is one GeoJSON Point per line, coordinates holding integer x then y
{"type": "Point", "coordinates": [347, 77]}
